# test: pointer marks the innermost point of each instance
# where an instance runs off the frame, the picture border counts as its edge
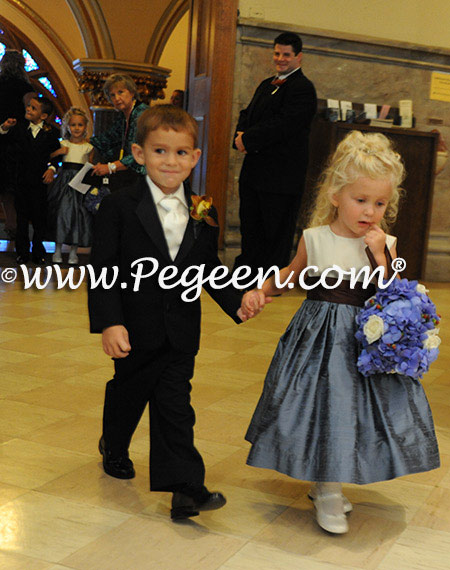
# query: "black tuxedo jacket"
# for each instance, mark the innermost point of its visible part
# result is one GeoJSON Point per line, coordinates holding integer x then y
{"type": "Point", "coordinates": [276, 127]}
{"type": "Point", "coordinates": [33, 153]}
{"type": "Point", "coordinates": [127, 228]}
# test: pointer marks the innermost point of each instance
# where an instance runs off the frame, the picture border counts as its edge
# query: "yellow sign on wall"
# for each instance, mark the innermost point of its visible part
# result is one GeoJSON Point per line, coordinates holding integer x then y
{"type": "Point", "coordinates": [440, 86]}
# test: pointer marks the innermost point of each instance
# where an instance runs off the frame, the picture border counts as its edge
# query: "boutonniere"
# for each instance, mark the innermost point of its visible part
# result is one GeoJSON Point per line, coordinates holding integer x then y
{"type": "Point", "coordinates": [201, 206]}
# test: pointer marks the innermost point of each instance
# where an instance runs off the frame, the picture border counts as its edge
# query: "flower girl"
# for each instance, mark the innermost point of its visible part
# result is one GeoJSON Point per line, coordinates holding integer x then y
{"type": "Point", "coordinates": [67, 215]}
{"type": "Point", "coordinates": [318, 418]}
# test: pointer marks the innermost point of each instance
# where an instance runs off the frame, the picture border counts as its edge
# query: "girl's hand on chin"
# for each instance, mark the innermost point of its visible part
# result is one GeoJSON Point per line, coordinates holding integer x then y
{"type": "Point", "coordinates": [375, 239]}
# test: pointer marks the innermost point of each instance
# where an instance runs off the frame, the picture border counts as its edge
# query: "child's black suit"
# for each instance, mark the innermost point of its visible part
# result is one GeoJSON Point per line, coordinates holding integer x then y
{"type": "Point", "coordinates": [31, 192]}
{"type": "Point", "coordinates": [164, 331]}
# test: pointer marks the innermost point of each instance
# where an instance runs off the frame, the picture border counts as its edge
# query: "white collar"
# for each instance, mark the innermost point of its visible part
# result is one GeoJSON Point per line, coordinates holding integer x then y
{"type": "Point", "coordinates": [159, 195]}
{"type": "Point", "coordinates": [287, 74]}
{"type": "Point", "coordinates": [36, 126]}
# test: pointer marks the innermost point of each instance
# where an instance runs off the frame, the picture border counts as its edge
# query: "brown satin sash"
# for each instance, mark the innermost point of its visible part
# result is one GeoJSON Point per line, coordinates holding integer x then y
{"type": "Point", "coordinates": [387, 254]}
{"type": "Point", "coordinates": [72, 166]}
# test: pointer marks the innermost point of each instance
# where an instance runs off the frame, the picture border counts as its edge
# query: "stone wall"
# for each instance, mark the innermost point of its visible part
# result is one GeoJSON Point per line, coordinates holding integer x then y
{"type": "Point", "coordinates": [348, 68]}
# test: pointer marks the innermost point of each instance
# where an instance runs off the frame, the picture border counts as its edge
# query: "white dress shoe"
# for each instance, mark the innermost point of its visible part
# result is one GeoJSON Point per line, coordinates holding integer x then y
{"type": "Point", "coordinates": [57, 258]}
{"type": "Point", "coordinates": [330, 513]}
{"type": "Point", "coordinates": [348, 507]}
{"type": "Point", "coordinates": [73, 259]}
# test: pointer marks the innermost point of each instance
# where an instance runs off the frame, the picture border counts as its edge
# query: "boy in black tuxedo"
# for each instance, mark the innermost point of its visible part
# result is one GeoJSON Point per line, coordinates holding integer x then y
{"type": "Point", "coordinates": [36, 140]}
{"type": "Point", "coordinates": [152, 333]}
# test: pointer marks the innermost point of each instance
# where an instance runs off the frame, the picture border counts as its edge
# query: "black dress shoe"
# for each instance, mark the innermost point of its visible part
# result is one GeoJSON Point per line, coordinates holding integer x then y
{"type": "Point", "coordinates": [38, 260]}
{"type": "Point", "coordinates": [22, 259]}
{"type": "Point", "coordinates": [119, 466]}
{"type": "Point", "coordinates": [185, 506]}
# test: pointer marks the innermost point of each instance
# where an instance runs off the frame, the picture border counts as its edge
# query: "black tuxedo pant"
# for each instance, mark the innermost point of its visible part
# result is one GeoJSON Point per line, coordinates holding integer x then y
{"type": "Point", "coordinates": [162, 378]}
{"type": "Point", "coordinates": [31, 206]}
{"type": "Point", "coordinates": [268, 222]}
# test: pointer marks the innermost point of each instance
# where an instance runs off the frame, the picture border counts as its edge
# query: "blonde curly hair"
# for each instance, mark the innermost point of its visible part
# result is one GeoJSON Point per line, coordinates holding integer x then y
{"type": "Point", "coordinates": [359, 155]}
{"type": "Point", "coordinates": [65, 131]}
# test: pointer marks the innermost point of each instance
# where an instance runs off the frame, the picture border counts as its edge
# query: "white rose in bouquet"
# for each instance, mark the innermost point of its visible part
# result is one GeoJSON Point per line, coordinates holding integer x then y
{"type": "Point", "coordinates": [421, 288]}
{"type": "Point", "coordinates": [432, 340]}
{"type": "Point", "coordinates": [374, 328]}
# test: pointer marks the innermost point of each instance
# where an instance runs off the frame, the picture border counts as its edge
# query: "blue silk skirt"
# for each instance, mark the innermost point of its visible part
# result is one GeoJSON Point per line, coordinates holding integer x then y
{"type": "Point", "coordinates": [68, 220]}
{"type": "Point", "coordinates": [319, 419]}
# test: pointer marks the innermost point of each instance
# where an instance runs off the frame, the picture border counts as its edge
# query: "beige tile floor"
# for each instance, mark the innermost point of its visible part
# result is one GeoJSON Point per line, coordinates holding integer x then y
{"type": "Point", "coordinates": [58, 510]}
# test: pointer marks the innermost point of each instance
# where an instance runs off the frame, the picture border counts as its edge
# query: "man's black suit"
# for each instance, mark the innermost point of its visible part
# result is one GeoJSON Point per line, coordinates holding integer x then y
{"type": "Point", "coordinates": [31, 192]}
{"type": "Point", "coordinates": [12, 91]}
{"type": "Point", "coordinates": [276, 128]}
{"type": "Point", "coordinates": [164, 331]}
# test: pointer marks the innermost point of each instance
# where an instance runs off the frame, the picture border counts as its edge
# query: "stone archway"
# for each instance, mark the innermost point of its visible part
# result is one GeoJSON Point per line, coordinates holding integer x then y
{"type": "Point", "coordinates": [41, 75]}
{"type": "Point", "coordinates": [172, 15]}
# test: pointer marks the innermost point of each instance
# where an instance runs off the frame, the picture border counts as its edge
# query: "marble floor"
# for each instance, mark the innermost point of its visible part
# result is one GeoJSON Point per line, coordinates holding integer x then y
{"type": "Point", "coordinates": [58, 509]}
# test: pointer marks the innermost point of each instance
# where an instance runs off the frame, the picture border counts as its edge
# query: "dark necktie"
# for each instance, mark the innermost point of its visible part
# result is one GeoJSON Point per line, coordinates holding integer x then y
{"type": "Point", "coordinates": [276, 81]}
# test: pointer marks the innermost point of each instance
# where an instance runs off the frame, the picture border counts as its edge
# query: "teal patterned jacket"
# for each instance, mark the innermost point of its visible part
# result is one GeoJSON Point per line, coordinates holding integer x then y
{"type": "Point", "coordinates": [109, 143]}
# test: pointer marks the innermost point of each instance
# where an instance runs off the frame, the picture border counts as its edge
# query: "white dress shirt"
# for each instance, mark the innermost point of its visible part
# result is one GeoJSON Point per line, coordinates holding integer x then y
{"type": "Point", "coordinates": [287, 74]}
{"type": "Point", "coordinates": [35, 128]}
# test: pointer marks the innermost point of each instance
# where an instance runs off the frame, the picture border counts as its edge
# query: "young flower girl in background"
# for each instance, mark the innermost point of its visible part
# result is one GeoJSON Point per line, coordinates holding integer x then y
{"type": "Point", "coordinates": [71, 221]}
{"type": "Point", "coordinates": [318, 418]}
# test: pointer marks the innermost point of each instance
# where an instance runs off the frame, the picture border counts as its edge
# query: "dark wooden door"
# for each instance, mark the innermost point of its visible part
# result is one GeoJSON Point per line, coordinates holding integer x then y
{"type": "Point", "coordinates": [212, 41]}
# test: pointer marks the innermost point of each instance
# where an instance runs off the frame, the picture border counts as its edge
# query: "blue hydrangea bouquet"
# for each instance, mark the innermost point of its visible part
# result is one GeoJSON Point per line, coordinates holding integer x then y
{"type": "Point", "coordinates": [398, 331]}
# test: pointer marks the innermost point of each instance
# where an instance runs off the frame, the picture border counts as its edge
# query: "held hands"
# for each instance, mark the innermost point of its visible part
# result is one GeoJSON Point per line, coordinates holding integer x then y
{"type": "Point", "coordinates": [48, 176]}
{"type": "Point", "coordinates": [239, 143]}
{"type": "Point", "coordinates": [115, 341]}
{"type": "Point", "coordinates": [100, 169]}
{"type": "Point", "coordinates": [8, 124]}
{"type": "Point", "coordinates": [253, 302]}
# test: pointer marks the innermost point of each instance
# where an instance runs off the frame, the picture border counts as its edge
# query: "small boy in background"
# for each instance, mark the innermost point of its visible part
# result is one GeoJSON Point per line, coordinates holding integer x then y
{"type": "Point", "coordinates": [36, 140]}
{"type": "Point", "coordinates": [152, 334]}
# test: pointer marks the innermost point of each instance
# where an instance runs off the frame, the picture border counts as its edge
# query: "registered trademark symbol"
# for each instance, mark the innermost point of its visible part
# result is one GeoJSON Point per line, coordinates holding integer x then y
{"type": "Point", "coordinates": [398, 264]}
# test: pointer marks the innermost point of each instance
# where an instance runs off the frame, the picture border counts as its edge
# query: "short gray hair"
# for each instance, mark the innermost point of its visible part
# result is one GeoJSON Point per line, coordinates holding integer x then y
{"type": "Point", "coordinates": [116, 78]}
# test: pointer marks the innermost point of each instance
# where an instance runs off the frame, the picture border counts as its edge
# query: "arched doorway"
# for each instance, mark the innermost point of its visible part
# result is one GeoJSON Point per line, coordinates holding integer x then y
{"type": "Point", "coordinates": [40, 73]}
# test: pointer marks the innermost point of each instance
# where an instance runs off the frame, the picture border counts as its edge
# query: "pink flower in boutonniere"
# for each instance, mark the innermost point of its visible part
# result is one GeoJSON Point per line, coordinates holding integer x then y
{"type": "Point", "coordinates": [201, 205]}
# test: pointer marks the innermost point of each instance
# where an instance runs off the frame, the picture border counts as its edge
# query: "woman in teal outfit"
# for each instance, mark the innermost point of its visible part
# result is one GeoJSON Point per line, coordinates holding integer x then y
{"type": "Point", "coordinates": [114, 145]}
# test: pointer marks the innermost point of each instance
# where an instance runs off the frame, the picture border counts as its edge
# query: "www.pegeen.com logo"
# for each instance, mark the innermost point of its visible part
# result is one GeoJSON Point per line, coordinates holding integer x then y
{"type": "Point", "coordinates": [193, 278]}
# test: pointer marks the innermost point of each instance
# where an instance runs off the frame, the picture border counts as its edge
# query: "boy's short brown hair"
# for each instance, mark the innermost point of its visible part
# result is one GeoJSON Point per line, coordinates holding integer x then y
{"type": "Point", "coordinates": [165, 117]}
{"type": "Point", "coordinates": [47, 106]}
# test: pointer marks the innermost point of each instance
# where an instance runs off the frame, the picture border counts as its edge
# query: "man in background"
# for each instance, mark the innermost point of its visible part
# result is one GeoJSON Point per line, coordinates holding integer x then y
{"type": "Point", "coordinates": [273, 134]}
